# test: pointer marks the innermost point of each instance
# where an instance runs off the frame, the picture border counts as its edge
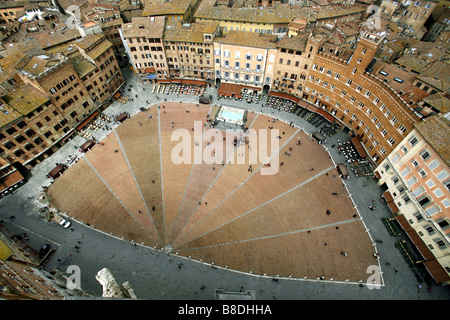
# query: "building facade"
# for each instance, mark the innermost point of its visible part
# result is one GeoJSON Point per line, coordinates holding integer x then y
{"type": "Point", "coordinates": [360, 101]}
{"type": "Point", "coordinates": [416, 180]}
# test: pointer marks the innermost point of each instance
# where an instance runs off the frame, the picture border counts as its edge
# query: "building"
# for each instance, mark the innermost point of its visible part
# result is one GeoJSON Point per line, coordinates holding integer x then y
{"type": "Point", "coordinates": [245, 58]}
{"type": "Point", "coordinates": [416, 180]}
{"type": "Point", "coordinates": [295, 56]}
{"type": "Point", "coordinates": [411, 15]}
{"type": "Point", "coordinates": [98, 68]}
{"type": "Point", "coordinates": [360, 101]}
{"type": "Point", "coordinates": [143, 42]}
{"type": "Point", "coordinates": [9, 10]}
{"type": "Point", "coordinates": [47, 96]}
{"type": "Point", "coordinates": [438, 21]}
{"type": "Point", "coordinates": [189, 49]}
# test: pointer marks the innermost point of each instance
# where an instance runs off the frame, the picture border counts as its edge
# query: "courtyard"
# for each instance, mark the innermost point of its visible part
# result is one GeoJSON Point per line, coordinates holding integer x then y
{"type": "Point", "coordinates": [297, 223]}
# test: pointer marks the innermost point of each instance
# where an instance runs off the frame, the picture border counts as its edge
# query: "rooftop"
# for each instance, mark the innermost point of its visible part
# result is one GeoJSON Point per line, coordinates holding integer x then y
{"type": "Point", "coordinates": [94, 45]}
{"type": "Point", "coordinates": [25, 99]}
{"type": "Point", "coordinates": [144, 27]}
{"type": "Point", "coordinates": [428, 129]}
{"type": "Point", "coordinates": [282, 13]}
{"type": "Point", "coordinates": [248, 39]}
{"type": "Point", "coordinates": [39, 64]}
{"type": "Point", "coordinates": [165, 7]}
{"type": "Point", "coordinates": [7, 115]}
{"type": "Point", "coordinates": [179, 32]}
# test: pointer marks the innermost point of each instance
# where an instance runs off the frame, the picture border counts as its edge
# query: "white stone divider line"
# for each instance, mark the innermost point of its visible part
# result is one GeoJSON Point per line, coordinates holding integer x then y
{"type": "Point", "coordinates": [117, 197]}
{"type": "Point", "coordinates": [242, 183]}
{"type": "Point", "coordinates": [135, 181]}
{"type": "Point", "coordinates": [190, 175]}
{"type": "Point", "coordinates": [215, 179]}
{"type": "Point", "coordinates": [158, 114]}
{"type": "Point", "coordinates": [268, 236]}
{"type": "Point", "coordinates": [265, 203]}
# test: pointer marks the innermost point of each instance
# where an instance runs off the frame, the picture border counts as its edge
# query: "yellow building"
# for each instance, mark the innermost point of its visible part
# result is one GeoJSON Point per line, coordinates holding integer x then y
{"type": "Point", "coordinates": [245, 58]}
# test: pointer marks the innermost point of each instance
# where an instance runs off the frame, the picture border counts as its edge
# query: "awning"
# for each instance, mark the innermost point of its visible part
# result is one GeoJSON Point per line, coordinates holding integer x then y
{"type": "Point", "coordinates": [433, 266]}
{"type": "Point", "coordinates": [87, 145]}
{"type": "Point", "coordinates": [325, 114]}
{"type": "Point", "coordinates": [359, 147]}
{"type": "Point", "coordinates": [393, 207]}
{"type": "Point", "coordinates": [117, 95]}
{"type": "Point", "coordinates": [187, 81]}
{"type": "Point", "coordinates": [307, 105]}
{"type": "Point", "coordinates": [388, 196]}
{"type": "Point", "coordinates": [415, 238]}
{"type": "Point", "coordinates": [163, 81]}
{"type": "Point", "coordinates": [284, 96]}
{"type": "Point", "coordinates": [377, 174]}
{"type": "Point", "coordinates": [437, 271]}
{"type": "Point", "coordinates": [87, 120]}
{"type": "Point", "coordinates": [57, 171]}
{"type": "Point", "coordinates": [228, 89]}
{"type": "Point", "coordinates": [200, 82]}
{"type": "Point", "coordinates": [149, 70]}
{"type": "Point", "coordinates": [10, 181]}
{"type": "Point", "coordinates": [122, 117]}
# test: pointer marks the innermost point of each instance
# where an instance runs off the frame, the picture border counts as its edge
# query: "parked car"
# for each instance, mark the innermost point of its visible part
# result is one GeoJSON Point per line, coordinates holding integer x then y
{"type": "Point", "coordinates": [64, 223]}
{"type": "Point", "coordinates": [44, 250]}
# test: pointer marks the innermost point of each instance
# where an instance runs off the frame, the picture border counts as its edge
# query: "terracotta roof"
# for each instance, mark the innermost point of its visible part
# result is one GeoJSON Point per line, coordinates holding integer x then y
{"type": "Point", "coordinates": [144, 27]}
{"type": "Point", "coordinates": [439, 101]}
{"type": "Point", "coordinates": [297, 43]}
{"type": "Point", "coordinates": [81, 65]}
{"type": "Point", "coordinates": [7, 114]}
{"type": "Point", "coordinates": [248, 39]}
{"type": "Point", "coordinates": [177, 31]}
{"type": "Point", "coordinates": [25, 99]}
{"type": "Point", "coordinates": [437, 75]}
{"type": "Point", "coordinates": [165, 7]}
{"type": "Point", "coordinates": [282, 13]}
{"type": "Point", "coordinates": [429, 128]}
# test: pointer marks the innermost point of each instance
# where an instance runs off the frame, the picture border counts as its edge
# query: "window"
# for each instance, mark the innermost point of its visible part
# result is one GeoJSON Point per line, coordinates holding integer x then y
{"type": "Point", "coordinates": [430, 183]}
{"type": "Point", "coordinates": [425, 155]}
{"type": "Point", "coordinates": [438, 192]}
{"type": "Point", "coordinates": [422, 172]}
{"type": "Point", "coordinates": [411, 181]}
{"type": "Point", "coordinates": [433, 164]}
{"type": "Point", "coordinates": [405, 171]}
{"type": "Point", "coordinates": [9, 144]}
{"type": "Point", "coordinates": [248, 56]}
{"type": "Point", "coordinates": [442, 175]}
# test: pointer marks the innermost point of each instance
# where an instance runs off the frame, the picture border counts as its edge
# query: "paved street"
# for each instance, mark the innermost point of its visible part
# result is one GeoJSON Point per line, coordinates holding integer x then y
{"type": "Point", "coordinates": [157, 275]}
